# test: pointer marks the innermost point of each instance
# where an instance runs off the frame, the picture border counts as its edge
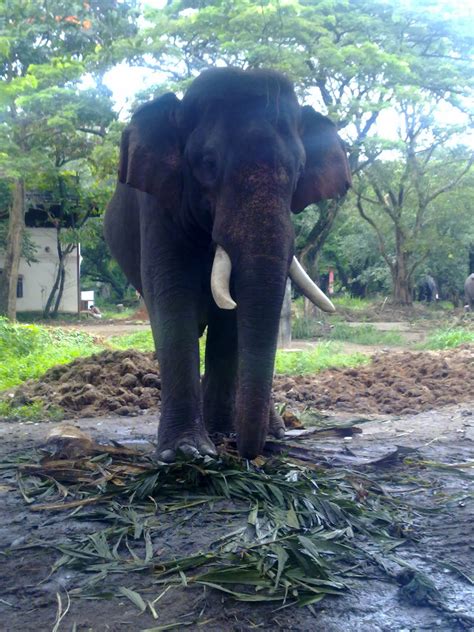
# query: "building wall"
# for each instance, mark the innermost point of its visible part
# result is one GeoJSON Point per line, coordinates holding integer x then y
{"type": "Point", "coordinates": [38, 278]}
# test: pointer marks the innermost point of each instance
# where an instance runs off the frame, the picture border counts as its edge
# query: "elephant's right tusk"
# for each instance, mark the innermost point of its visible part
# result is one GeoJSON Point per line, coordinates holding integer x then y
{"type": "Point", "coordinates": [300, 277]}
{"type": "Point", "coordinates": [220, 279]}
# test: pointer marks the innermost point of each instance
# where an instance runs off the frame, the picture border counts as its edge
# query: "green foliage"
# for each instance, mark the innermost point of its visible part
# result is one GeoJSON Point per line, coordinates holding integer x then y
{"type": "Point", "coordinates": [326, 355]}
{"type": "Point", "coordinates": [448, 338]}
{"type": "Point", "coordinates": [304, 328]}
{"type": "Point", "coordinates": [30, 412]}
{"type": "Point", "coordinates": [27, 351]}
{"type": "Point", "coordinates": [396, 76]}
{"type": "Point", "coordinates": [354, 303]}
{"type": "Point", "coordinates": [97, 265]}
{"type": "Point", "coordinates": [140, 340]}
{"type": "Point", "coordinates": [51, 122]}
{"type": "Point", "coordinates": [364, 335]}
{"type": "Point", "coordinates": [109, 312]}
{"type": "Point", "coordinates": [303, 531]}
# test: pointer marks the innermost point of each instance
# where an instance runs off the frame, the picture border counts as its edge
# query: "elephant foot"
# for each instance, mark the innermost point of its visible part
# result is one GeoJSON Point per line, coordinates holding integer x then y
{"type": "Point", "coordinates": [218, 415]}
{"type": "Point", "coordinates": [220, 424]}
{"type": "Point", "coordinates": [276, 426]}
{"type": "Point", "coordinates": [191, 442]}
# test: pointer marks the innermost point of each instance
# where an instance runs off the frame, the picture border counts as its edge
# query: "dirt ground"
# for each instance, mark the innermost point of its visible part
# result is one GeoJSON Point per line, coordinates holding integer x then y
{"type": "Point", "coordinates": [420, 406]}
{"type": "Point", "coordinates": [442, 540]}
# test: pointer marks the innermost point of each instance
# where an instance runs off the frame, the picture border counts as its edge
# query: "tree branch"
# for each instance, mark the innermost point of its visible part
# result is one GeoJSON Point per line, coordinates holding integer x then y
{"type": "Point", "coordinates": [378, 232]}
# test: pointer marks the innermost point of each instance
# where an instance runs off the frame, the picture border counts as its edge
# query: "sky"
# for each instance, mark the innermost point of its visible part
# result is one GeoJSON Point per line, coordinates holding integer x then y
{"type": "Point", "coordinates": [125, 81]}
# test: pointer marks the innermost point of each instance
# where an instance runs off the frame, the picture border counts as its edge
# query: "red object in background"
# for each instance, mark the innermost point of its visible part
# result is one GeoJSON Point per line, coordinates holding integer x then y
{"type": "Point", "coordinates": [331, 281]}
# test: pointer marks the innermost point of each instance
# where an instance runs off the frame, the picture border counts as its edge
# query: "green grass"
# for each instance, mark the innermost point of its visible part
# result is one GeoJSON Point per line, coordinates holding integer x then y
{"type": "Point", "coordinates": [30, 412]}
{"type": "Point", "coordinates": [27, 351]}
{"type": "Point", "coordinates": [303, 328]}
{"type": "Point", "coordinates": [352, 302]}
{"type": "Point", "coordinates": [326, 355]}
{"type": "Point", "coordinates": [364, 335]}
{"type": "Point", "coordinates": [448, 338]}
{"type": "Point", "coordinates": [307, 328]}
{"type": "Point", "coordinates": [140, 341]}
{"type": "Point", "coordinates": [113, 314]}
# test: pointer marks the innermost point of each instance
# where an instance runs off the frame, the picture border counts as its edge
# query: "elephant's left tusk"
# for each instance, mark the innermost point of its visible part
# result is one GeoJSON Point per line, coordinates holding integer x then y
{"type": "Point", "coordinates": [300, 277]}
{"type": "Point", "coordinates": [220, 279]}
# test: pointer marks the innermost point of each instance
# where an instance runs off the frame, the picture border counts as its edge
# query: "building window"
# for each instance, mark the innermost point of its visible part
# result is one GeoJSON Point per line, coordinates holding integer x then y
{"type": "Point", "coordinates": [19, 285]}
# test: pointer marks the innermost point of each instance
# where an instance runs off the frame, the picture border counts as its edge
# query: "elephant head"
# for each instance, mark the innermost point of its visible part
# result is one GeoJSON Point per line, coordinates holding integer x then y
{"type": "Point", "coordinates": [229, 163]}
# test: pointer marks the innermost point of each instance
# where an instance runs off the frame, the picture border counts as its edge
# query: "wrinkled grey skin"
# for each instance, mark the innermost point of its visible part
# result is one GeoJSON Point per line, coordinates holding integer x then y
{"type": "Point", "coordinates": [469, 292]}
{"type": "Point", "coordinates": [224, 166]}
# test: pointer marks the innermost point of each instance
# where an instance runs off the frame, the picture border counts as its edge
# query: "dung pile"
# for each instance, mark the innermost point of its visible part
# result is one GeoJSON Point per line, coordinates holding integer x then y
{"type": "Point", "coordinates": [393, 383]}
{"type": "Point", "coordinates": [128, 382]}
{"type": "Point", "coordinates": [120, 382]}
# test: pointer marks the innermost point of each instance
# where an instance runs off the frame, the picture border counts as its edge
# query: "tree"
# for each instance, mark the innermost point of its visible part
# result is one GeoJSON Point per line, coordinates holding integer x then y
{"type": "Point", "coordinates": [364, 62]}
{"type": "Point", "coordinates": [98, 266]}
{"type": "Point", "coordinates": [46, 47]}
{"type": "Point", "coordinates": [401, 196]}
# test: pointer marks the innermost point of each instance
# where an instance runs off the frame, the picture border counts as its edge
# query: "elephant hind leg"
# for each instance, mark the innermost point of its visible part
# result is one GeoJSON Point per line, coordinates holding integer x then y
{"type": "Point", "coordinates": [219, 381]}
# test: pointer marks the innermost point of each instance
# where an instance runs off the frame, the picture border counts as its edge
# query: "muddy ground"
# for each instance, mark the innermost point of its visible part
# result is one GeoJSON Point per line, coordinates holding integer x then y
{"type": "Point", "coordinates": [419, 405]}
{"type": "Point", "coordinates": [28, 594]}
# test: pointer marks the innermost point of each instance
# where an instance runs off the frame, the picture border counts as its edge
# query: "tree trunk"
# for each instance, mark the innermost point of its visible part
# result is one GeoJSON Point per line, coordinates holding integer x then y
{"type": "Point", "coordinates": [9, 276]}
{"type": "Point", "coordinates": [402, 290]}
{"type": "Point", "coordinates": [59, 295]}
{"type": "Point", "coordinates": [56, 293]}
{"type": "Point", "coordinates": [315, 241]}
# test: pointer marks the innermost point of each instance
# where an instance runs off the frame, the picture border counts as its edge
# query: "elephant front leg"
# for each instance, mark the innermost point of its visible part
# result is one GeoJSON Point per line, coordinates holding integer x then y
{"type": "Point", "coordinates": [220, 378]}
{"type": "Point", "coordinates": [219, 381]}
{"type": "Point", "coordinates": [172, 298]}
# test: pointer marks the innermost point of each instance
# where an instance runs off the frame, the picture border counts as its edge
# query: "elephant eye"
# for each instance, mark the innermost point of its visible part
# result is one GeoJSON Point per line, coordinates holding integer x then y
{"type": "Point", "coordinates": [209, 163]}
{"type": "Point", "coordinates": [206, 169]}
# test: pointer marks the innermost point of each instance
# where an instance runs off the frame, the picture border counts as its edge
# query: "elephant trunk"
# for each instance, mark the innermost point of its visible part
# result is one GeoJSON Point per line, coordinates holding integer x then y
{"type": "Point", "coordinates": [259, 286]}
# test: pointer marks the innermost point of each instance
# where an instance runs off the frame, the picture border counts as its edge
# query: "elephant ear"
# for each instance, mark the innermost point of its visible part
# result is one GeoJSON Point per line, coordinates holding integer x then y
{"type": "Point", "coordinates": [326, 174]}
{"type": "Point", "coordinates": [150, 151]}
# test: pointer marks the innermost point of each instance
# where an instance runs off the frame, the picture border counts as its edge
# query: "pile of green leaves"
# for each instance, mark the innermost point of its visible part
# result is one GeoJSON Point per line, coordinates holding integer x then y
{"type": "Point", "coordinates": [27, 351]}
{"type": "Point", "coordinates": [308, 531]}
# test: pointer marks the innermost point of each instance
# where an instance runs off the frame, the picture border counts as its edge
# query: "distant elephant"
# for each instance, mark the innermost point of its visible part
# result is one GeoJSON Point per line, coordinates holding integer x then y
{"type": "Point", "coordinates": [428, 290]}
{"type": "Point", "coordinates": [202, 209]}
{"type": "Point", "coordinates": [469, 292]}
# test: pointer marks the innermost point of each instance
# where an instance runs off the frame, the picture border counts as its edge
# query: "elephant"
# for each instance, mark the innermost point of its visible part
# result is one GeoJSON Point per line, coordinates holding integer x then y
{"type": "Point", "coordinates": [469, 292]}
{"type": "Point", "coordinates": [200, 223]}
{"type": "Point", "coordinates": [427, 289]}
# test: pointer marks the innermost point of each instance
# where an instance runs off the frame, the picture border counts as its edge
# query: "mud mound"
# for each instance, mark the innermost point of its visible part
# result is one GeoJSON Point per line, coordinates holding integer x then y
{"type": "Point", "coordinates": [122, 382]}
{"type": "Point", "coordinates": [403, 383]}
{"type": "Point", "coordinates": [127, 382]}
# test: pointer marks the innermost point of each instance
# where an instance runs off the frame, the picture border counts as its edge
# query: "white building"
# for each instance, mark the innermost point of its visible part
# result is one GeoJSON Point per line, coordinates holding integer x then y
{"type": "Point", "coordinates": [35, 280]}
